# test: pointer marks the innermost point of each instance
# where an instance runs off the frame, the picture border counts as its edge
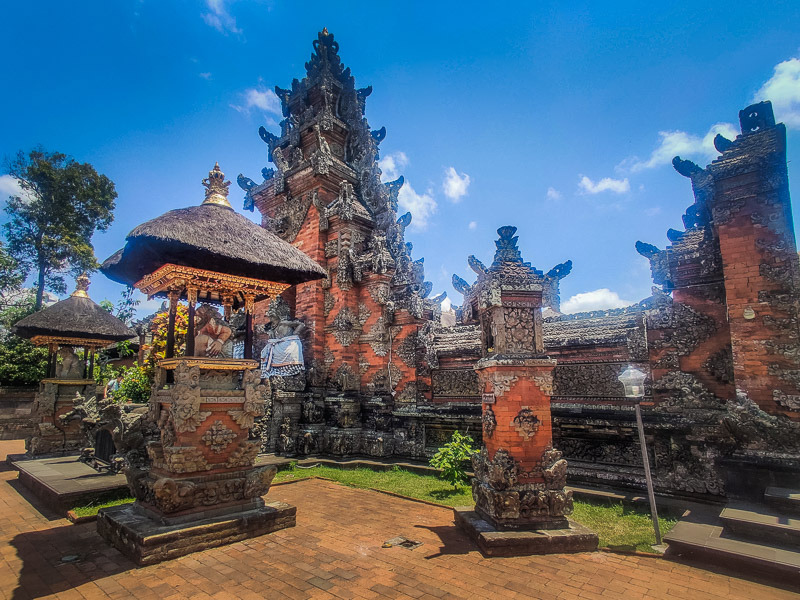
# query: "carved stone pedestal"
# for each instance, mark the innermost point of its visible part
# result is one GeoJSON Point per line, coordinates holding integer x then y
{"type": "Point", "coordinates": [56, 397]}
{"type": "Point", "coordinates": [521, 505]}
{"type": "Point", "coordinates": [200, 487]}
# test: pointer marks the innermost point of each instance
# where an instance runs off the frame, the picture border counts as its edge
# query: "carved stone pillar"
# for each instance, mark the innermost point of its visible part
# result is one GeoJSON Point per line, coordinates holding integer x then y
{"type": "Point", "coordinates": [519, 485]}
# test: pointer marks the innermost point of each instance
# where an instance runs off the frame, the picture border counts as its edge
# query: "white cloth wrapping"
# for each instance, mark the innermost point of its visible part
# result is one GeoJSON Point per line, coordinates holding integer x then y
{"type": "Point", "coordinates": [283, 357]}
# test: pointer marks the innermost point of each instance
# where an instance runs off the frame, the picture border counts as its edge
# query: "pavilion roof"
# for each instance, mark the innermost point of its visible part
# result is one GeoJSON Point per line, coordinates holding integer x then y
{"type": "Point", "coordinates": [74, 320]}
{"type": "Point", "coordinates": [211, 237]}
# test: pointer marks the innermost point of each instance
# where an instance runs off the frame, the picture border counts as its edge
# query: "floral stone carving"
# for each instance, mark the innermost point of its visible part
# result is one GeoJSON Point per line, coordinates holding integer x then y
{"type": "Point", "coordinates": [218, 436]}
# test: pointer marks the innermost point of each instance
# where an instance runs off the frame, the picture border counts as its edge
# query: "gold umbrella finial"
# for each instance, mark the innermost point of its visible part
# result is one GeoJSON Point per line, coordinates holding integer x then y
{"type": "Point", "coordinates": [81, 286]}
{"type": "Point", "coordinates": [216, 188]}
{"type": "Point", "coordinates": [325, 31]}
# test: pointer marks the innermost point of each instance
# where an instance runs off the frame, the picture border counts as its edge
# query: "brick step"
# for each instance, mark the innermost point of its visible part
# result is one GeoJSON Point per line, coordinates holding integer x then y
{"type": "Point", "coordinates": [784, 499]}
{"type": "Point", "coordinates": [704, 543]}
{"type": "Point", "coordinates": [759, 524]}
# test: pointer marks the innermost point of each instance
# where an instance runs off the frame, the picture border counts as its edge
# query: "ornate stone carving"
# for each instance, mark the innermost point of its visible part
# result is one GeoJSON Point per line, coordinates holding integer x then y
{"type": "Point", "coordinates": [526, 423]}
{"type": "Point", "coordinates": [186, 404]}
{"type": "Point", "coordinates": [345, 327]}
{"type": "Point", "coordinates": [245, 454]}
{"type": "Point", "coordinates": [455, 383]}
{"type": "Point", "coordinates": [406, 350]}
{"type": "Point", "coordinates": [587, 379]}
{"type": "Point", "coordinates": [488, 421]}
{"type": "Point", "coordinates": [501, 472]}
{"type": "Point", "coordinates": [218, 436]}
{"type": "Point", "coordinates": [258, 481]}
{"type": "Point", "coordinates": [171, 495]}
{"type": "Point", "coordinates": [520, 330]}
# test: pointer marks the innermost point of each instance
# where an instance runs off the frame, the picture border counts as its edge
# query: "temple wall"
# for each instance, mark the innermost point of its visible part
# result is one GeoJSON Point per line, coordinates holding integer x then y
{"type": "Point", "coordinates": [17, 419]}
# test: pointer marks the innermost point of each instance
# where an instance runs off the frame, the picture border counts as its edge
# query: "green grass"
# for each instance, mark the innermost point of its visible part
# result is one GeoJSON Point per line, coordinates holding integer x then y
{"type": "Point", "coordinates": [102, 501]}
{"type": "Point", "coordinates": [619, 526]}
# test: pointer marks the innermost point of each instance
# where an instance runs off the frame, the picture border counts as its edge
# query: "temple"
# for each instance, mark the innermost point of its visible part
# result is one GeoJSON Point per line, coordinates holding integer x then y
{"type": "Point", "coordinates": [381, 374]}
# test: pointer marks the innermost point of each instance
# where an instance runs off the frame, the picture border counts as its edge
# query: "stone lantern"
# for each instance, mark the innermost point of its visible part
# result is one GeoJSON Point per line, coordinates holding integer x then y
{"type": "Point", "coordinates": [521, 504]}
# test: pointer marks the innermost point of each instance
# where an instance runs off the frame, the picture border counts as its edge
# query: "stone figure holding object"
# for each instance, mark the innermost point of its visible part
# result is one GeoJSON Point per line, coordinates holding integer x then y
{"type": "Point", "coordinates": [213, 337]}
{"type": "Point", "coordinates": [283, 353]}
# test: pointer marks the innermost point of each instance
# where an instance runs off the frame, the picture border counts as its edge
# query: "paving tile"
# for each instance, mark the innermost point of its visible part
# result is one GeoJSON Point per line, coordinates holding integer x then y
{"type": "Point", "coordinates": [333, 552]}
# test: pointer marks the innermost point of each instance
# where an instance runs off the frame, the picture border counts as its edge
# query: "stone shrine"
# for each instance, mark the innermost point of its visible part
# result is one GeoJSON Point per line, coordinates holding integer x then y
{"type": "Point", "coordinates": [198, 487]}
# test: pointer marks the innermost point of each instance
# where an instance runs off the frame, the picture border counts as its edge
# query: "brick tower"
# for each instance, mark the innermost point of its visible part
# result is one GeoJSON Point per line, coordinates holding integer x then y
{"type": "Point", "coordinates": [325, 196]}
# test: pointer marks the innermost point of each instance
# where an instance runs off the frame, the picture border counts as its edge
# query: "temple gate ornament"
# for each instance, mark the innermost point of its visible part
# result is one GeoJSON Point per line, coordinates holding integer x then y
{"type": "Point", "coordinates": [201, 473]}
{"type": "Point", "coordinates": [519, 483]}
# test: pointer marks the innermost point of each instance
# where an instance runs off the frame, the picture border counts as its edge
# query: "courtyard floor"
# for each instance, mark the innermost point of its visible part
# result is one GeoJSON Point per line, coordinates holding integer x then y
{"type": "Point", "coordinates": [333, 552]}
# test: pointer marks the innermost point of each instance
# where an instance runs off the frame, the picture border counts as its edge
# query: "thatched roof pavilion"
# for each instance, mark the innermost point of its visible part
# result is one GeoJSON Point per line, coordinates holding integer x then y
{"type": "Point", "coordinates": [75, 322]}
{"type": "Point", "coordinates": [210, 237]}
{"type": "Point", "coordinates": [209, 253]}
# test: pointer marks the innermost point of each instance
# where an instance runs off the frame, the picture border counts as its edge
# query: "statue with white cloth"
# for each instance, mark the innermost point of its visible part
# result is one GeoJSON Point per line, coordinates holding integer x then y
{"type": "Point", "coordinates": [283, 353]}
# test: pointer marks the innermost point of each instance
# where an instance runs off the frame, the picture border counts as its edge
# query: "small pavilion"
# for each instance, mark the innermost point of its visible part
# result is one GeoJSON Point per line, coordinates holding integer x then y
{"type": "Point", "coordinates": [64, 327]}
{"type": "Point", "coordinates": [200, 487]}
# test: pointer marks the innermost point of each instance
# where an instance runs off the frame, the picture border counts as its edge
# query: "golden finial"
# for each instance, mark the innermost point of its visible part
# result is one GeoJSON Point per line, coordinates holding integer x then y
{"type": "Point", "coordinates": [81, 286]}
{"type": "Point", "coordinates": [325, 31]}
{"type": "Point", "coordinates": [217, 188]}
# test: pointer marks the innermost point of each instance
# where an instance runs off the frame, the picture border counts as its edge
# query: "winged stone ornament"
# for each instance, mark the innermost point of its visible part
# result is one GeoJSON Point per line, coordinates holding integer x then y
{"type": "Point", "coordinates": [476, 265]}
{"type": "Point", "coordinates": [461, 285]}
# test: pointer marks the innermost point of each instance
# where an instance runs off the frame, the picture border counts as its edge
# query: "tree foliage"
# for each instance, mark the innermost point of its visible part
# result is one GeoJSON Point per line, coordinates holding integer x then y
{"type": "Point", "coordinates": [134, 387]}
{"type": "Point", "coordinates": [50, 226]}
{"type": "Point", "coordinates": [452, 459]}
{"type": "Point", "coordinates": [158, 326]}
{"type": "Point", "coordinates": [21, 363]}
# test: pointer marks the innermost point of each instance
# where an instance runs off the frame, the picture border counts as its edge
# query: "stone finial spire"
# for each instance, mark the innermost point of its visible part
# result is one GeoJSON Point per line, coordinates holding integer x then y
{"type": "Point", "coordinates": [81, 286]}
{"type": "Point", "coordinates": [507, 250]}
{"type": "Point", "coordinates": [217, 188]}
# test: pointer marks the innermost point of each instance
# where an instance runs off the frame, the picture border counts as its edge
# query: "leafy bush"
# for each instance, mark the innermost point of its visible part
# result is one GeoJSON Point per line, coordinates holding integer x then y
{"type": "Point", "coordinates": [134, 387]}
{"type": "Point", "coordinates": [452, 458]}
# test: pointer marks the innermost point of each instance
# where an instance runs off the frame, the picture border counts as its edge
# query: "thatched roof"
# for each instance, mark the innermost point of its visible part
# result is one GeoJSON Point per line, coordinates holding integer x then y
{"type": "Point", "coordinates": [212, 237]}
{"type": "Point", "coordinates": [76, 317]}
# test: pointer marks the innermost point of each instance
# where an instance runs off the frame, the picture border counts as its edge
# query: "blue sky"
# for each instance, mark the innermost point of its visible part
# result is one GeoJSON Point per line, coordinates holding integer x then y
{"type": "Point", "coordinates": [559, 120]}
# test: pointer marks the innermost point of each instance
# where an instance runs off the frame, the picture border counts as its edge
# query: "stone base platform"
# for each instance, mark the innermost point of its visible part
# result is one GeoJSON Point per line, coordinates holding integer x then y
{"type": "Point", "coordinates": [147, 542]}
{"type": "Point", "coordinates": [493, 542]}
{"type": "Point", "coordinates": [62, 482]}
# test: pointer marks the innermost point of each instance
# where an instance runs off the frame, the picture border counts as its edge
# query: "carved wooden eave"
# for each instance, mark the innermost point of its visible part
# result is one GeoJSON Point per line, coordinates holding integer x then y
{"type": "Point", "coordinates": [209, 286]}
{"type": "Point", "coordinates": [76, 342]}
{"type": "Point", "coordinates": [219, 364]}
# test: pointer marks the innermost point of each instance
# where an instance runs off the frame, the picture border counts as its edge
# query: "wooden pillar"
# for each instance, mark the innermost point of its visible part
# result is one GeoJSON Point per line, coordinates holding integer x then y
{"type": "Point", "coordinates": [191, 294]}
{"type": "Point", "coordinates": [85, 363]}
{"type": "Point", "coordinates": [249, 305]}
{"type": "Point", "coordinates": [52, 359]}
{"type": "Point", "coordinates": [227, 305]}
{"type": "Point", "coordinates": [173, 296]}
{"type": "Point", "coordinates": [91, 363]}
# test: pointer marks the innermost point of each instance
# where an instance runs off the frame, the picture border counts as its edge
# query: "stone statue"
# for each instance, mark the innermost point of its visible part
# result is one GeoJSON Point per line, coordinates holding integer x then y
{"type": "Point", "coordinates": [213, 336]}
{"type": "Point", "coordinates": [283, 353]}
{"type": "Point", "coordinates": [70, 366]}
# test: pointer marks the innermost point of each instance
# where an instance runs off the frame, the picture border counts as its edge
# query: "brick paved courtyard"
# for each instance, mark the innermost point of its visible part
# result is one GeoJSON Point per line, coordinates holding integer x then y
{"type": "Point", "coordinates": [334, 552]}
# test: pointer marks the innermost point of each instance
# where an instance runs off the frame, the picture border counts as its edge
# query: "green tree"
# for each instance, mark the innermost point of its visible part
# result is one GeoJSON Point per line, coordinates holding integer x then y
{"type": "Point", "coordinates": [50, 226]}
{"type": "Point", "coordinates": [134, 387]}
{"type": "Point", "coordinates": [10, 280]}
{"type": "Point", "coordinates": [452, 459]}
{"type": "Point", "coordinates": [21, 363]}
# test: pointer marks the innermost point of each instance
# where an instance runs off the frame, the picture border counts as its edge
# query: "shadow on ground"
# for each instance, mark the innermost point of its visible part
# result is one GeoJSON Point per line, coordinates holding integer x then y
{"type": "Point", "coordinates": [453, 541]}
{"type": "Point", "coordinates": [58, 559]}
{"type": "Point", "coordinates": [30, 498]}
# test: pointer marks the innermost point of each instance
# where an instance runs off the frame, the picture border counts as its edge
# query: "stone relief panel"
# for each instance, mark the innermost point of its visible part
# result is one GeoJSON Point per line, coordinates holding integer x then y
{"type": "Point", "coordinates": [455, 383]}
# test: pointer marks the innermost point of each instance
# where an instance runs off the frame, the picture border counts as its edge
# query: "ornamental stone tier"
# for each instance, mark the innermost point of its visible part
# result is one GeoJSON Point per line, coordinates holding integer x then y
{"type": "Point", "coordinates": [198, 485]}
{"type": "Point", "coordinates": [64, 327]}
{"type": "Point", "coordinates": [521, 504]}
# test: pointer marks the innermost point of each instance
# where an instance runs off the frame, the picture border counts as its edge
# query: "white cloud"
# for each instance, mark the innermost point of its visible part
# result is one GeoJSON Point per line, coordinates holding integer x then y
{"type": "Point", "coordinates": [421, 206]}
{"type": "Point", "coordinates": [265, 100]}
{"type": "Point", "coordinates": [219, 18]}
{"type": "Point", "coordinates": [601, 299]}
{"type": "Point", "coordinates": [392, 165]}
{"type": "Point", "coordinates": [652, 212]}
{"type": "Point", "coordinates": [473, 225]}
{"type": "Point", "coordinates": [553, 194]}
{"type": "Point", "coordinates": [455, 185]}
{"type": "Point", "coordinates": [606, 184]}
{"type": "Point", "coordinates": [680, 143]}
{"type": "Point", "coordinates": [205, 75]}
{"type": "Point", "coordinates": [783, 89]}
{"type": "Point", "coordinates": [9, 186]}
